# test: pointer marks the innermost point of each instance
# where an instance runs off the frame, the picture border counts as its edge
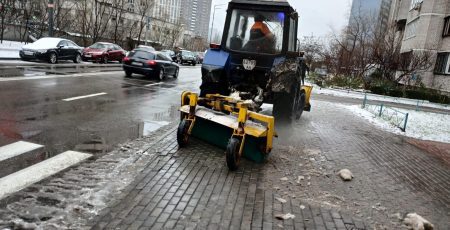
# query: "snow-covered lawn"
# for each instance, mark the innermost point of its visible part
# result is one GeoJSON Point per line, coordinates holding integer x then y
{"type": "Point", "coordinates": [370, 96]}
{"type": "Point", "coordinates": [10, 49]}
{"type": "Point", "coordinates": [420, 125]}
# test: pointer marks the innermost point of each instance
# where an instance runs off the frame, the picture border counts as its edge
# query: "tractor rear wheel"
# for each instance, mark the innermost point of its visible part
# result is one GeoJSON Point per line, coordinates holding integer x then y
{"type": "Point", "coordinates": [288, 106]}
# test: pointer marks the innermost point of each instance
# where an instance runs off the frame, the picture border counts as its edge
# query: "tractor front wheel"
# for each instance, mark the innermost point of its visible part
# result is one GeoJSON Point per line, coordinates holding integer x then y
{"type": "Point", "coordinates": [232, 154]}
{"type": "Point", "coordinates": [182, 133]}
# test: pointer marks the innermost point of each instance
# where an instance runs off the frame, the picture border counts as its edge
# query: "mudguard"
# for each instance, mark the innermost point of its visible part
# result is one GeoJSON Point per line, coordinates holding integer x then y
{"type": "Point", "coordinates": [284, 74]}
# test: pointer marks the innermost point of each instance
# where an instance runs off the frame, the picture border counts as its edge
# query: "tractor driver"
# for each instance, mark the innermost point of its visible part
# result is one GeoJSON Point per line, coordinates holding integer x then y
{"type": "Point", "coordinates": [261, 38]}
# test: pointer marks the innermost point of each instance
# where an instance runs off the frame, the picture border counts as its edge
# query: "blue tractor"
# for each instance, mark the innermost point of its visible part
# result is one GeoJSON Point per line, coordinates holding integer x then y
{"type": "Point", "coordinates": [257, 62]}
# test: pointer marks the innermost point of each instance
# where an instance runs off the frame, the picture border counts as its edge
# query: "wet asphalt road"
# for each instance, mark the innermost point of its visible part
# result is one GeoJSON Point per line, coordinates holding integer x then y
{"type": "Point", "coordinates": [10, 69]}
{"type": "Point", "coordinates": [33, 107]}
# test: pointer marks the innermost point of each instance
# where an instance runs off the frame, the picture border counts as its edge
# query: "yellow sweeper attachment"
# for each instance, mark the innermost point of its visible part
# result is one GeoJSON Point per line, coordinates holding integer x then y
{"type": "Point", "coordinates": [227, 123]}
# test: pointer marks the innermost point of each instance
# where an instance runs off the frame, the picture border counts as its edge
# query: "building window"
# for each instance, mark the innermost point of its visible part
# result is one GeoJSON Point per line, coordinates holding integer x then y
{"type": "Point", "coordinates": [442, 63]}
{"type": "Point", "coordinates": [411, 28]}
{"type": "Point", "coordinates": [446, 27]}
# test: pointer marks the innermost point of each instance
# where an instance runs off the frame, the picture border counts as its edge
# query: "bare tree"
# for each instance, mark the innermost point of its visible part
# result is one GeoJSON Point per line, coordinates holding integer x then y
{"type": "Point", "coordinates": [83, 19]}
{"type": "Point", "coordinates": [174, 34]}
{"type": "Point", "coordinates": [63, 17]}
{"type": "Point", "coordinates": [144, 11]}
{"type": "Point", "coordinates": [313, 50]}
{"type": "Point", "coordinates": [118, 20]}
{"type": "Point", "coordinates": [7, 11]}
{"type": "Point", "coordinates": [100, 19]}
{"type": "Point", "coordinates": [395, 65]}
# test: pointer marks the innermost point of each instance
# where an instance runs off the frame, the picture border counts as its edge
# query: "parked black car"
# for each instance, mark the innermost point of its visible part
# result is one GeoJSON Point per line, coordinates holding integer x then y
{"type": "Point", "coordinates": [51, 50]}
{"type": "Point", "coordinates": [187, 57]}
{"type": "Point", "coordinates": [149, 63]}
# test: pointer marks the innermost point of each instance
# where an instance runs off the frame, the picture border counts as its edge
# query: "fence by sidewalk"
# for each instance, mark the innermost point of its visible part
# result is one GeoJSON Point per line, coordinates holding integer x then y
{"type": "Point", "coordinates": [392, 115]}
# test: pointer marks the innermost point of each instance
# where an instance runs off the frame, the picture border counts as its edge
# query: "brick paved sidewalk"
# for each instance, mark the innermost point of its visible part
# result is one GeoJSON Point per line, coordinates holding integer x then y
{"type": "Point", "coordinates": [192, 187]}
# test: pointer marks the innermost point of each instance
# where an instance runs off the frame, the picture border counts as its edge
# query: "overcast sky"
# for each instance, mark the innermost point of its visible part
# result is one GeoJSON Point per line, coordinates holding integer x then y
{"type": "Point", "coordinates": [317, 17]}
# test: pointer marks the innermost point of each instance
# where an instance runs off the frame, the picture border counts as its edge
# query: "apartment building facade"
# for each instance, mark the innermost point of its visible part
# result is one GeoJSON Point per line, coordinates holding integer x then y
{"type": "Point", "coordinates": [424, 25]}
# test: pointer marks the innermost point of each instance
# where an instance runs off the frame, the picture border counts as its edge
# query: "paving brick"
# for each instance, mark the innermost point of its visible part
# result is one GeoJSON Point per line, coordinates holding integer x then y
{"type": "Point", "coordinates": [196, 190]}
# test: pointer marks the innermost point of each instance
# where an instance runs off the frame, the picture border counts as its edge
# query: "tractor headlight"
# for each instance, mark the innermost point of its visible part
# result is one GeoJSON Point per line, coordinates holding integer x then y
{"type": "Point", "coordinates": [211, 73]}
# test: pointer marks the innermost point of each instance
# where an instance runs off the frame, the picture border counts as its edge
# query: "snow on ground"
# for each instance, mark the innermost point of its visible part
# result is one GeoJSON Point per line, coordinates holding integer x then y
{"type": "Point", "coordinates": [420, 125]}
{"type": "Point", "coordinates": [370, 96]}
{"type": "Point", "coordinates": [10, 49]}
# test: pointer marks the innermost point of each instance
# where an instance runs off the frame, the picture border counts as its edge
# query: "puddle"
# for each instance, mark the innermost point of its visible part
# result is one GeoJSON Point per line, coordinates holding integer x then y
{"type": "Point", "coordinates": [150, 126]}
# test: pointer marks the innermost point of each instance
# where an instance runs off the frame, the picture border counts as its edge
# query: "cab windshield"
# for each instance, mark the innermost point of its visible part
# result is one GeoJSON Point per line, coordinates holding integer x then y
{"type": "Point", "coordinates": [256, 31]}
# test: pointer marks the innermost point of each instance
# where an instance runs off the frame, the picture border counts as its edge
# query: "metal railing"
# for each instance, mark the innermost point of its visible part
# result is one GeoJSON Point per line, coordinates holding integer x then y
{"type": "Point", "coordinates": [392, 115]}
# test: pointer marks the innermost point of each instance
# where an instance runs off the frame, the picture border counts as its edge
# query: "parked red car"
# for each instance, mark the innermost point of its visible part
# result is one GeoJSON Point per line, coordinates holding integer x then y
{"type": "Point", "coordinates": [103, 52]}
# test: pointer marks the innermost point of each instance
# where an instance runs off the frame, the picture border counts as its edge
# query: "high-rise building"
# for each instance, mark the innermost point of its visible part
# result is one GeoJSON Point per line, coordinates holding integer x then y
{"type": "Point", "coordinates": [195, 15]}
{"type": "Point", "coordinates": [167, 10]}
{"type": "Point", "coordinates": [376, 10]}
{"type": "Point", "coordinates": [425, 26]}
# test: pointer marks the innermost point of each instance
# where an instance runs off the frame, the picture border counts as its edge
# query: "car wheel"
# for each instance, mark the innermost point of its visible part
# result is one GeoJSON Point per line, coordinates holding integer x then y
{"type": "Point", "coordinates": [128, 73]}
{"type": "Point", "coordinates": [121, 59]}
{"type": "Point", "coordinates": [105, 60]}
{"type": "Point", "coordinates": [77, 58]}
{"type": "Point", "coordinates": [193, 63]}
{"type": "Point", "coordinates": [161, 74]}
{"type": "Point", "coordinates": [52, 58]}
{"type": "Point", "coordinates": [177, 71]}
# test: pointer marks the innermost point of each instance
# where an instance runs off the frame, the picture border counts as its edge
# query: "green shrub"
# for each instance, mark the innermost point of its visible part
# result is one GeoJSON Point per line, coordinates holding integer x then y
{"type": "Point", "coordinates": [345, 81]}
{"type": "Point", "coordinates": [396, 92]}
{"type": "Point", "coordinates": [378, 90]}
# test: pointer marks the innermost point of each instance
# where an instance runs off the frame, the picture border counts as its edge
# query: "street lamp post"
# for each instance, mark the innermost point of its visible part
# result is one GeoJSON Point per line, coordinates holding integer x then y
{"type": "Point", "coordinates": [212, 24]}
{"type": "Point", "coordinates": [51, 6]}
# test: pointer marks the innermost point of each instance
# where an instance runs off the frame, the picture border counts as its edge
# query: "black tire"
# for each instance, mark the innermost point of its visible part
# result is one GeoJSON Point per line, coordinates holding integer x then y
{"type": "Point", "coordinates": [77, 58]}
{"type": "Point", "coordinates": [53, 58]}
{"type": "Point", "coordinates": [232, 154]}
{"type": "Point", "coordinates": [105, 60]}
{"type": "Point", "coordinates": [25, 59]}
{"type": "Point", "coordinates": [177, 71]}
{"type": "Point", "coordinates": [128, 74]}
{"type": "Point", "coordinates": [301, 105]}
{"type": "Point", "coordinates": [161, 74]}
{"type": "Point", "coordinates": [182, 133]}
{"type": "Point", "coordinates": [193, 64]}
{"type": "Point", "coordinates": [286, 105]}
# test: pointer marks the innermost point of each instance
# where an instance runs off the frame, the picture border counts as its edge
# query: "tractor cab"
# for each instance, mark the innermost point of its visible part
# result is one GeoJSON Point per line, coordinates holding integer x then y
{"type": "Point", "coordinates": [260, 27]}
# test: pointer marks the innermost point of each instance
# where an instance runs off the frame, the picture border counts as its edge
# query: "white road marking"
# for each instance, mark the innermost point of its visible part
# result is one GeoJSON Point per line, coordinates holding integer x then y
{"type": "Point", "coordinates": [159, 83]}
{"type": "Point", "coordinates": [16, 149]}
{"type": "Point", "coordinates": [58, 76]}
{"type": "Point", "coordinates": [28, 176]}
{"type": "Point", "coordinates": [85, 96]}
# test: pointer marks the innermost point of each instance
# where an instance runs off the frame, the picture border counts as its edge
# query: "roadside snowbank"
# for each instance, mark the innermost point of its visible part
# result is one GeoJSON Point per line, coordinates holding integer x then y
{"type": "Point", "coordinates": [10, 49]}
{"type": "Point", "coordinates": [360, 95]}
{"type": "Point", "coordinates": [421, 125]}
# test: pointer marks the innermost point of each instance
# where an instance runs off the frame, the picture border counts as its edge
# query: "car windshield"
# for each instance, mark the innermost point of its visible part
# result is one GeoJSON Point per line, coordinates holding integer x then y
{"type": "Point", "coordinates": [186, 53]}
{"type": "Point", "coordinates": [98, 46]}
{"type": "Point", "coordinates": [256, 31]}
{"type": "Point", "coordinates": [141, 54]}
